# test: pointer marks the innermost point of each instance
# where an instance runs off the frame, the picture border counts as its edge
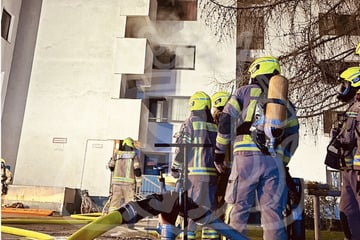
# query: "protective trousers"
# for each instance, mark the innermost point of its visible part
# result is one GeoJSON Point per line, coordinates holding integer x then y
{"type": "Point", "coordinates": [252, 173]}
{"type": "Point", "coordinates": [202, 193]}
{"type": "Point", "coordinates": [350, 205]}
{"type": "Point", "coordinates": [121, 193]}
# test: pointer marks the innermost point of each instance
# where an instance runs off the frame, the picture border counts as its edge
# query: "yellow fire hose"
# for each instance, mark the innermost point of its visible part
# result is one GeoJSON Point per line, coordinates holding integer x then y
{"type": "Point", "coordinates": [98, 226]}
{"type": "Point", "coordinates": [44, 221]}
{"type": "Point", "coordinates": [26, 233]}
{"type": "Point", "coordinates": [86, 216]}
{"type": "Point", "coordinates": [78, 219]}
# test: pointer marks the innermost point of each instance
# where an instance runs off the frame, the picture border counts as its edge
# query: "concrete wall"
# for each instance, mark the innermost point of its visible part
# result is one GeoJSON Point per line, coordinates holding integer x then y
{"type": "Point", "coordinates": [7, 46]}
{"type": "Point", "coordinates": [70, 115]}
{"type": "Point", "coordinates": [19, 73]}
{"type": "Point", "coordinates": [73, 111]}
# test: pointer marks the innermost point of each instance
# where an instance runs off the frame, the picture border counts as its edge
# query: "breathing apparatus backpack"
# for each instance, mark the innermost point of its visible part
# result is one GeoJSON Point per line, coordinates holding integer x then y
{"type": "Point", "coordinates": [342, 143]}
{"type": "Point", "coordinates": [270, 115]}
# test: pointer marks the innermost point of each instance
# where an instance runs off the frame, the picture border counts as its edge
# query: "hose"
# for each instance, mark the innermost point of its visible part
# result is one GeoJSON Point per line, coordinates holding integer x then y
{"type": "Point", "coordinates": [79, 219]}
{"type": "Point", "coordinates": [26, 233]}
{"type": "Point", "coordinates": [153, 205]}
{"type": "Point", "coordinates": [43, 221]}
{"type": "Point", "coordinates": [86, 216]}
{"type": "Point", "coordinates": [98, 227]}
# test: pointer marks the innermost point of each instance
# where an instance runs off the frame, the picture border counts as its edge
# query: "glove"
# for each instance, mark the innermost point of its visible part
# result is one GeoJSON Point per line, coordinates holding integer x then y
{"type": "Point", "coordinates": [111, 164]}
{"type": "Point", "coordinates": [220, 163]}
{"type": "Point", "coordinates": [175, 172]}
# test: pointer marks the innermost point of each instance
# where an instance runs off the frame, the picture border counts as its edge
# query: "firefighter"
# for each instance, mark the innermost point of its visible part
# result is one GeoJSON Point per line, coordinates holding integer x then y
{"type": "Point", "coordinates": [255, 172]}
{"type": "Point", "coordinates": [218, 101]}
{"type": "Point", "coordinates": [6, 177]}
{"type": "Point", "coordinates": [348, 141]}
{"type": "Point", "coordinates": [198, 128]}
{"type": "Point", "coordinates": [126, 173]}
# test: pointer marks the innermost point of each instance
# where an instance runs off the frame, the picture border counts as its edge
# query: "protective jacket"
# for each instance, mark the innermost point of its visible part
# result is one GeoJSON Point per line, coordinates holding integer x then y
{"type": "Point", "coordinates": [240, 112]}
{"type": "Point", "coordinates": [350, 138]}
{"type": "Point", "coordinates": [200, 159]}
{"type": "Point", "coordinates": [202, 174]}
{"type": "Point", "coordinates": [126, 165]}
{"type": "Point", "coordinates": [6, 177]}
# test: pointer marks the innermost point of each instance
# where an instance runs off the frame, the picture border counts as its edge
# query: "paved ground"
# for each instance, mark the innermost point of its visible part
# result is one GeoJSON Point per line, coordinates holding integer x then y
{"type": "Point", "coordinates": [142, 230]}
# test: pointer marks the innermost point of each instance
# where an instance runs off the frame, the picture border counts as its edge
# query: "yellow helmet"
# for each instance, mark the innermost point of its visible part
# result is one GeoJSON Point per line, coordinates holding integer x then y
{"type": "Point", "coordinates": [357, 50]}
{"type": "Point", "coordinates": [350, 84]}
{"type": "Point", "coordinates": [2, 161]}
{"type": "Point", "coordinates": [264, 65]}
{"type": "Point", "coordinates": [128, 142]}
{"type": "Point", "coordinates": [352, 75]}
{"type": "Point", "coordinates": [199, 101]}
{"type": "Point", "coordinates": [219, 99]}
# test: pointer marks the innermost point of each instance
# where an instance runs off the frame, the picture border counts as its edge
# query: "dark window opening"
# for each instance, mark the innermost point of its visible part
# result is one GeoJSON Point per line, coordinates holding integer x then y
{"type": "Point", "coordinates": [332, 119]}
{"type": "Point", "coordinates": [153, 161]}
{"type": "Point", "coordinates": [174, 57]}
{"type": "Point", "coordinates": [177, 10]}
{"type": "Point", "coordinates": [164, 58]}
{"type": "Point", "coordinates": [158, 110]}
{"type": "Point", "coordinates": [250, 31]}
{"type": "Point", "coordinates": [246, 3]}
{"type": "Point", "coordinates": [337, 24]}
{"type": "Point", "coordinates": [330, 70]}
{"type": "Point", "coordinates": [5, 25]}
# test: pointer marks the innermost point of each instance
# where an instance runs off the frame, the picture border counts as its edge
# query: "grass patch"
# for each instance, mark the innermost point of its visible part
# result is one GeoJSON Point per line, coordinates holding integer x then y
{"type": "Point", "coordinates": [255, 233]}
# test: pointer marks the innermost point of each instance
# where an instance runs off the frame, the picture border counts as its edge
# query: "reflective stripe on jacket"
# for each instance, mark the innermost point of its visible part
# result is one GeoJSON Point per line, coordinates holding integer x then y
{"type": "Point", "coordinates": [200, 159]}
{"type": "Point", "coordinates": [124, 167]}
{"type": "Point", "coordinates": [352, 157]}
{"type": "Point", "coordinates": [241, 108]}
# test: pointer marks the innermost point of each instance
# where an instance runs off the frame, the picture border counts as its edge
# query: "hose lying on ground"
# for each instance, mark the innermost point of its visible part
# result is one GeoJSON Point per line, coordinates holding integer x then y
{"type": "Point", "coordinates": [153, 205]}
{"type": "Point", "coordinates": [25, 233]}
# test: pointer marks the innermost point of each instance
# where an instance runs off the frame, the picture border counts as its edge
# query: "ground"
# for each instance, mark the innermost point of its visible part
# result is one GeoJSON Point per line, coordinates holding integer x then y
{"type": "Point", "coordinates": [142, 230]}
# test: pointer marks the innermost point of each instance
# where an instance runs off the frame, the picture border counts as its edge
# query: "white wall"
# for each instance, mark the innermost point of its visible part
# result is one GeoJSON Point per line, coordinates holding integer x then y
{"type": "Point", "coordinates": [73, 83]}
{"type": "Point", "coordinates": [308, 160]}
{"type": "Point", "coordinates": [70, 93]}
{"type": "Point", "coordinates": [7, 47]}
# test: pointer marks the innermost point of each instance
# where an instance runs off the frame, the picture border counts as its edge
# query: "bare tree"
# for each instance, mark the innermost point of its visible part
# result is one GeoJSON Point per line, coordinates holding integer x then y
{"type": "Point", "coordinates": [316, 38]}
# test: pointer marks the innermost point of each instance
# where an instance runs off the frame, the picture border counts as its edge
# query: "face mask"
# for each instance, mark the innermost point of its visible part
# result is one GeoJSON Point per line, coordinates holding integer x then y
{"type": "Point", "coordinates": [346, 92]}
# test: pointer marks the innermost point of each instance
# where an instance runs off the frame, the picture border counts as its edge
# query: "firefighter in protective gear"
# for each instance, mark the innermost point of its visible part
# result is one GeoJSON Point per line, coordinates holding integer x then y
{"type": "Point", "coordinates": [126, 173]}
{"type": "Point", "coordinates": [6, 177]}
{"type": "Point", "coordinates": [218, 101]}
{"type": "Point", "coordinates": [198, 128]}
{"type": "Point", "coordinates": [349, 141]}
{"type": "Point", "coordinates": [254, 172]}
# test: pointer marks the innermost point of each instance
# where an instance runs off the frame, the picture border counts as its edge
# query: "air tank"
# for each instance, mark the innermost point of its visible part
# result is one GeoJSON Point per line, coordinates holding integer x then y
{"type": "Point", "coordinates": [275, 113]}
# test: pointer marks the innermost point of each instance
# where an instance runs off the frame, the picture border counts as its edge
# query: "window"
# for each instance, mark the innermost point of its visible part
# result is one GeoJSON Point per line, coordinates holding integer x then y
{"type": "Point", "coordinates": [246, 3]}
{"type": "Point", "coordinates": [250, 31]}
{"type": "Point", "coordinates": [158, 110]}
{"type": "Point", "coordinates": [6, 19]}
{"type": "Point", "coordinates": [330, 70]}
{"type": "Point", "coordinates": [154, 160]}
{"type": "Point", "coordinates": [170, 109]}
{"type": "Point", "coordinates": [179, 109]}
{"type": "Point", "coordinates": [177, 10]}
{"type": "Point", "coordinates": [242, 74]}
{"type": "Point", "coordinates": [331, 119]}
{"type": "Point", "coordinates": [337, 24]}
{"type": "Point", "coordinates": [174, 57]}
{"type": "Point", "coordinates": [334, 178]}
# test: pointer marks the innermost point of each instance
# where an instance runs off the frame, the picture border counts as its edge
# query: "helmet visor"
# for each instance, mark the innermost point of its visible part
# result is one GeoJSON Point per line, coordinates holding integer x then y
{"type": "Point", "coordinates": [344, 88]}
